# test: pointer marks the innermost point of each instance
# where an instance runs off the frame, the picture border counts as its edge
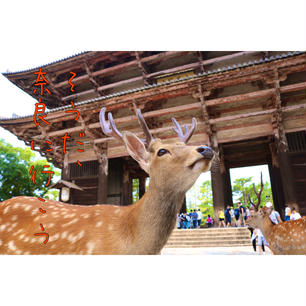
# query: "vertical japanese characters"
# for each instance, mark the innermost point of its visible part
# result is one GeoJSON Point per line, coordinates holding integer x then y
{"type": "Point", "coordinates": [41, 88]}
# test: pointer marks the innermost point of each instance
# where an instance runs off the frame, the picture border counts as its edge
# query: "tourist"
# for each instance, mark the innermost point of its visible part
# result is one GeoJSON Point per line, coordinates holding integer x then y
{"type": "Point", "coordinates": [237, 216]}
{"type": "Point", "coordinates": [194, 217]}
{"type": "Point", "coordinates": [183, 220]}
{"type": "Point", "coordinates": [260, 240]}
{"type": "Point", "coordinates": [209, 221]}
{"type": "Point", "coordinates": [287, 213]}
{"type": "Point", "coordinates": [242, 214]}
{"type": "Point", "coordinates": [221, 217]}
{"type": "Point", "coordinates": [247, 212]}
{"type": "Point", "coordinates": [232, 214]}
{"type": "Point", "coordinates": [200, 216]}
{"type": "Point", "coordinates": [188, 220]}
{"type": "Point", "coordinates": [273, 214]}
{"type": "Point", "coordinates": [228, 219]}
{"type": "Point", "coordinates": [295, 215]}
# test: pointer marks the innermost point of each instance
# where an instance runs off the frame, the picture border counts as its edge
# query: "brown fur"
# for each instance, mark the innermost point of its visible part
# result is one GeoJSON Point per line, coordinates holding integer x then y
{"type": "Point", "coordinates": [286, 238]}
{"type": "Point", "coordinates": [141, 228]}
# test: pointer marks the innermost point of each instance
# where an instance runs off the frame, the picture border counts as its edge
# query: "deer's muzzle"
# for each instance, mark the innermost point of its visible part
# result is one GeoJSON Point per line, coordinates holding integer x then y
{"type": "Point", "coordinates": [206, 152]}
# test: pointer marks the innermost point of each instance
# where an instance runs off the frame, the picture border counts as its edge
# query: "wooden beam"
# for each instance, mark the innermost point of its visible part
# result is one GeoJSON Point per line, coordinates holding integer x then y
{"type": "Point", "coordinates": [242, 97]}
{"type": "Point", "coordinates": [141, 68]}
{"type": "Point", "coordinates": [256, 94]}
{"type": "Point", "coordinates": [154, 74]}
{"type": "Point", "coordinates": [103, 87]}
{"type": "Point", "coordinates": [120, 67]}
{"type": "Point", "coordinates": [204, 62]}
{"type": "Point", "coordinates": [152, 131]}
{"type": "Point", "coordinates": [92, 80]}
{"type": "Point", "coordinates": [151, 114]}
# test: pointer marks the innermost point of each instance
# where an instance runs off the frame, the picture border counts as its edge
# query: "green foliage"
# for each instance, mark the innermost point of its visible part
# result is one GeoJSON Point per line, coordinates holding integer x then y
{"type": "Point", "coordinates": [240, 188]}
{"type": "Point", "coordinates": [243, 188]}
{"type": "Point", "coordinates": [202, 199]}
{"type": "Point", "coordinates": [52, 194]}
{"type": "Point", "coordinates": [135, 190]}
{"type": "Point", "coordinates": [15, 177]}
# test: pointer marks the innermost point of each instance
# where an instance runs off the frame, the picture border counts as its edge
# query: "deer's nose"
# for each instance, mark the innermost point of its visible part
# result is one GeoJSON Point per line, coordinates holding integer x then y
{"type": "Point", "coordinates": [206, 152]}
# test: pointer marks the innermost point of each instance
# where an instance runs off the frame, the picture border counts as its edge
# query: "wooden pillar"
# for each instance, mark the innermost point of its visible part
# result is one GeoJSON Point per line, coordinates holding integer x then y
{"type": "Point", "coordinates": [65, 171]}
{"type": "Point", "coordinates": [288, 181]}
{"type": "Point", "coordinates": [277, 189]}
{"type": "Point", "coordinates": [221, 188]}
{"type": "Point", "coordinates": [142, 186]}
{"type": "Point", "coordinates": [126, 185]}
{"type": "Point", "coordinates": [102, 185]}
{"type": "Point", "coordinates": [281, 148]}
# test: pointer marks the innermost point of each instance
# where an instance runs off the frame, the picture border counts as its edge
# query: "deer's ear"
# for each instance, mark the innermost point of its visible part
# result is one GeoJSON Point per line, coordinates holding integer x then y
{"type": "Point", "coordinates": [137, 150]}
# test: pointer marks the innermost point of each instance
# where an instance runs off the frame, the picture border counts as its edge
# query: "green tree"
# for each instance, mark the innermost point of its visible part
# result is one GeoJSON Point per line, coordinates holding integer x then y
{"type": "Point", "coordinates": [266, 193]}
{"type": "Point", "coordinates": [202, 199]}
{"type": "Point", "coordinates": [243, 188]}
{"type": "Point", "coordinates": [135, 190]}
{"type": "Point", "coordinates": [240, 188]}
{"type": "Point", "coordinates": [15, 177]}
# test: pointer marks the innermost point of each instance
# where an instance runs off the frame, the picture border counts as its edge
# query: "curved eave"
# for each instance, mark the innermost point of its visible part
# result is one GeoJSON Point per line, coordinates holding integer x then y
{"type": "Point", "coordinates": [23, 119]}
{"type": "Point", "coordinates": [65, 60]}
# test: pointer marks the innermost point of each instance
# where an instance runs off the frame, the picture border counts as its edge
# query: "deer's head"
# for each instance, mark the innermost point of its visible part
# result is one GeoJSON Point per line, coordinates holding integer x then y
{"type": "Point", "coordinates": [257, 217]}
{"type": "Point", "coordinates": [173, 165]}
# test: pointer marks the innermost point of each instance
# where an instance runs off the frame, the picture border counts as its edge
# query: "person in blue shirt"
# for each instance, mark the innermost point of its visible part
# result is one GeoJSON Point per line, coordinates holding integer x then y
{"type": "Point", "coordinates": [227, 214]}
{"type": "Point", "coordinates": [194, 216]}
{"type": "Point", "coordinates": [237, 216]}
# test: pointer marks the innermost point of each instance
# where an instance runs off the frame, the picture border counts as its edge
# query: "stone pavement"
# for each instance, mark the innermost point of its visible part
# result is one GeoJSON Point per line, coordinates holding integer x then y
{"type": "Point", "coordinates": [241, 250]}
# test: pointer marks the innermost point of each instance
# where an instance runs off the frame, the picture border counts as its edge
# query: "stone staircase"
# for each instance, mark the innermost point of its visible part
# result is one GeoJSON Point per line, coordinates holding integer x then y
{"type": "Point", "coordinates": [209, 237]}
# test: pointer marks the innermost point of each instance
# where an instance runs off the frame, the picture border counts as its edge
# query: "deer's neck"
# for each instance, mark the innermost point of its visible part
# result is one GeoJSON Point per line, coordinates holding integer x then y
{"type": "Point", "coordinates": [266, 227]}
{"type": "Point", "coordinates": [157, 211]}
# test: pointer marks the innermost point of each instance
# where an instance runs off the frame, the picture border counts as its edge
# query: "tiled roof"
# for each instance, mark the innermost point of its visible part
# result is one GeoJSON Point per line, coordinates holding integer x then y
{"type": "Point", "coordinates": [215, 71]}
{"type": "Point", "coordinates": [54, 62]}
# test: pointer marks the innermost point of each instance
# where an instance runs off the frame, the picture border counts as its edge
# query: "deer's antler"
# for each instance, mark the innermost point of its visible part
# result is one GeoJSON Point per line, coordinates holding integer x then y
{"type": "Point", "coordinates": [113, 131]}
{"type": "Point", "coordinates": [188, 133]}
{"type": "Point", "coordinates": [258, 194]}
{"type": "Point", "coordinates": [105, 126]}
{"type": "Point", "coordinates": [142, 122]}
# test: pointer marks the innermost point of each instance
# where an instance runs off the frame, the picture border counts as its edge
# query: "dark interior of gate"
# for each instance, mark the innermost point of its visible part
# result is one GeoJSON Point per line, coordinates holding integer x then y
{"type": "Point", "coordinates": [250, 108]}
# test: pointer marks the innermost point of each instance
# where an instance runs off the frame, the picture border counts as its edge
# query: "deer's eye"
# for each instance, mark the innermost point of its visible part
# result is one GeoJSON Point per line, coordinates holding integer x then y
{"type": "Point", "coordinates": [161, 152]}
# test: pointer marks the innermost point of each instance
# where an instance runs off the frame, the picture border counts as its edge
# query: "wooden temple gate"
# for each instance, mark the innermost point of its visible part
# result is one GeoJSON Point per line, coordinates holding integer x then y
{"type": "Point", "coordinates": [250, 107]}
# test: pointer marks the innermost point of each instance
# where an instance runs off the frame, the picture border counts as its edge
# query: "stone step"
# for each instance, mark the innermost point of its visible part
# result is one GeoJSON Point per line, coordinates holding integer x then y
{"type": "Point", "coordinates": [213, 229]}
{"type": "Point", "coordinates": [212, 237]}
{"type": "Point", "coordinates": [208, 244]}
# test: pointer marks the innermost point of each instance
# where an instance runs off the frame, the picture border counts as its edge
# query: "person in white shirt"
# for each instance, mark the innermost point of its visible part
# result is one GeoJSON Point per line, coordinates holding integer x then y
{"type": "Point", "coordinates": [261, 240]}
{"type": "Point", "coordinates": [294, 215]}
{"type": "Point", "coordinates": [287, 213]}
{"type": "Point", "coordinates": [274, 215]}
{"type": "Point", "coordinates": [200, 216]}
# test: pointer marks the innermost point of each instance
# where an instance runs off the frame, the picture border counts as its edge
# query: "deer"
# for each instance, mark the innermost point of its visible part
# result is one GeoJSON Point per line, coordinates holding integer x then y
{"type": "Point", "coordinates": [286, 238]}
{"type": "Point", "coordinates": [140, 228]}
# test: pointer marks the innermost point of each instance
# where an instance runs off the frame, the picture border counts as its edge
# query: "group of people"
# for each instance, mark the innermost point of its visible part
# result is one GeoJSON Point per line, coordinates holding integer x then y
{"type": "Point", "coordinates": [234, 216]}
{"type": "Point", "coordinates": [192, 219]}
{"type": "Point", "coordinates": [291, 214]}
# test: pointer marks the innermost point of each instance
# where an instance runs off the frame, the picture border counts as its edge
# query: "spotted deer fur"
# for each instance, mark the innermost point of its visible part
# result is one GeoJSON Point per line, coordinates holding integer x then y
{"type": "Point", "coordinates": [286, 238]}
{"type": "Point", "coordinates": [141, 228]}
